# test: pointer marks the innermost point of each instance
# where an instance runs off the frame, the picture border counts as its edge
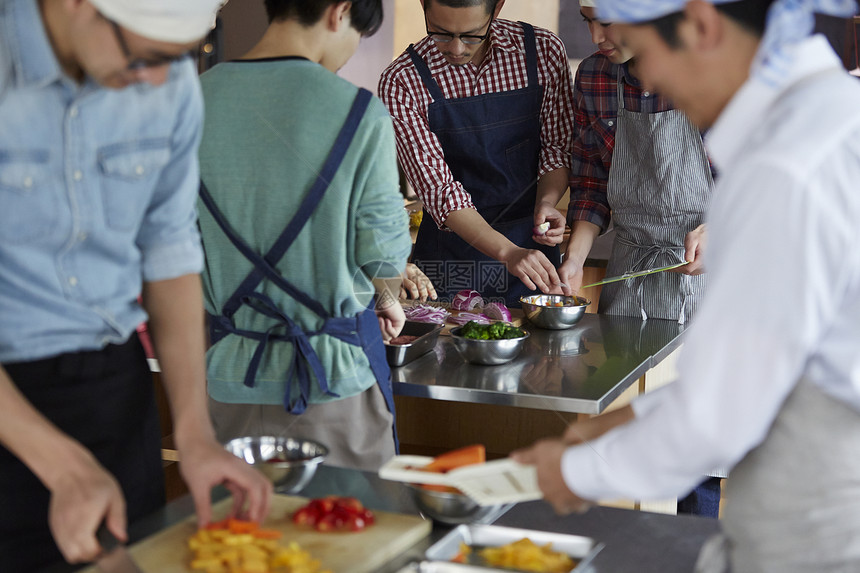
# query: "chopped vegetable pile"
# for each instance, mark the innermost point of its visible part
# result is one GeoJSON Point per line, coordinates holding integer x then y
{"type": "Point", "coordinates": [426, 313]}
{"type": "Point", "coordinates": [464, 317]}
{"type": "Point", "coordinates": [494, 331]}
{"type": "Point", "coordinates": [522, 555]}
{"type": "Point", "coordinates": [334, 513]}
{"type": "Point", "coordinates": [468, 300]}
{"type": "Point", "coordinates": [236, 545]}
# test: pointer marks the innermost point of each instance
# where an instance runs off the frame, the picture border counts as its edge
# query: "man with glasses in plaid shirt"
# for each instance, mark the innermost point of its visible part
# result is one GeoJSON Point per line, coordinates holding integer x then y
{"type": "Point", "coordinates": [482, 110]}
{"type": "Point", "coordinates": [100, 119]}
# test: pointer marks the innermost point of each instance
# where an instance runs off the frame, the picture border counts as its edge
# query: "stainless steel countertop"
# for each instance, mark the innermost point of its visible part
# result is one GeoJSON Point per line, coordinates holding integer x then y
{"type": "Point", "coordinates": [580, 370]}
{"type": "Point", "coordinates": [636, 541]}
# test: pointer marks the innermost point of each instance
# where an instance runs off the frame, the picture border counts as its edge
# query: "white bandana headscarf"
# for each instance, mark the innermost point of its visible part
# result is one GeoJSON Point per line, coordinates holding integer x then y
{"type": "Point", "coordinates": [788, 22]}
{"type": "Point", "coordinates": [175, 21]}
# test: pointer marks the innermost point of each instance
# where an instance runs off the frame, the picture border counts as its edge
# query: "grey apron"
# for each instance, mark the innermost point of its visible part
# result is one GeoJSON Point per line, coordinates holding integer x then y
{"type": "Point", "coordinates": [659, 186]}
{"type": "Point", "coordinates": [793, 503]}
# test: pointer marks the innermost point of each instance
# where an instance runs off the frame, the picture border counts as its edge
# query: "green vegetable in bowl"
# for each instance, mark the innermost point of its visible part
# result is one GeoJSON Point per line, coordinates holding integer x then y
{"type": "Point", "coordinates": [494, 331]}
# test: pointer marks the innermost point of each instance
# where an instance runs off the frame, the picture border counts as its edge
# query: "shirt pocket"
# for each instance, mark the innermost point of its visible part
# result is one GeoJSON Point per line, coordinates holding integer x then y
{"type": "Point", "coordinates": [602, 134]}
{"type": "Point", "coordinates": [130, 172]}
{"type": "Point", "coordinates": [29, 209]}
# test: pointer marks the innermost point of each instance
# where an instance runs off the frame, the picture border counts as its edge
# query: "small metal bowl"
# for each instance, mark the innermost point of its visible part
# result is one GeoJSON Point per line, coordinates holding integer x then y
{"type": "Point", "coordinates": [540, 312]}
{"type": "Point", "coordinates": [487, 351]}
{"type": "Point", "coordinates": [427, 333]}
{"type": "Point", "coordinates": [289, 462]}
{"type": "Point", "coordinates": [448, 507]}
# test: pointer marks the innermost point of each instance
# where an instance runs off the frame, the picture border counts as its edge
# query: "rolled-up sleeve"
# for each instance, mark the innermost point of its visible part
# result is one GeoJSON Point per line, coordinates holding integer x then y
{"type": "Point", "coordinates": [556, 110]}
{"type": "Point", "coordinates": [168, 239]}
{"type": "Point", "coordinates": [420, 152]}
{"type": "Point", "coordinates": [591, 158]}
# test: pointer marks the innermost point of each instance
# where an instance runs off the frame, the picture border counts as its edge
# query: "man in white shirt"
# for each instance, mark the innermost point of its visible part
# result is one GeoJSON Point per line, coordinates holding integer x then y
{"type": "Point", "coordinates": [771, 385]}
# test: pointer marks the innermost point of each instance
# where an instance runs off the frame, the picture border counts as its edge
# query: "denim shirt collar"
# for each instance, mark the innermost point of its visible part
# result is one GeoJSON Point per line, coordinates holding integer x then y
{"type": "Point", "coordinates": [33, 58]}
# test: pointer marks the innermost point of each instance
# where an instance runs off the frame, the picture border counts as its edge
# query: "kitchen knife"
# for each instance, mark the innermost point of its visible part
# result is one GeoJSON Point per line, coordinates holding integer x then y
{"type": "Point", "coordinates": [114, 557]}
{"type": "Point", "coordinates": [631, 275]}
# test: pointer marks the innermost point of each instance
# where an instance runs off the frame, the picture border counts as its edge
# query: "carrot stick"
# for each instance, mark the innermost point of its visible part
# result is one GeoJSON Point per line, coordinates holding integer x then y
{"type": "Point", "coordinates": [475, 454]}
{"type": "Point", "coordinates": [241, 526]}
{"type": "Point", "coordinates": [223, 524]}
{"type": "Point", "coordinates": [266, 534]}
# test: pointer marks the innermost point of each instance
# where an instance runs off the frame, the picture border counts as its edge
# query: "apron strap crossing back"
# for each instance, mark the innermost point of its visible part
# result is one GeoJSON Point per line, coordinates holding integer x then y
{"type": "Point", "coordinates": [305, 359]}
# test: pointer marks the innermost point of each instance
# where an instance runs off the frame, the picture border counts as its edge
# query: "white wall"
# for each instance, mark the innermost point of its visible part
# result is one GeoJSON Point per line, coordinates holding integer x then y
{"type": "Point", "coordinates": [245, 21]}
{"type": "Point", "coordinates": [373, 54]}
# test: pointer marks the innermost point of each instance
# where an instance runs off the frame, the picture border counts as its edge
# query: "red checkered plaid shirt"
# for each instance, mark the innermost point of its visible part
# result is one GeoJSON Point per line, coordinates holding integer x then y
{"type": "Point", "coordinates": [595, 116]}
{"type": "Point", "coordinates": [503, 69]}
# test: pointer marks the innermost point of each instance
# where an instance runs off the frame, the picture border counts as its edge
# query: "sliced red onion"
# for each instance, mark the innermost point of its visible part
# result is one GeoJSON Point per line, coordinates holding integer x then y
{"type": "Point", "coordinates": [541, 229]}
{"type": "Point", "coordinates": [497, 311]}
{"type": "Point", "coordinates": [426, 313]}
{"type": "Point", "coordinates": [467, 300]}
{"type": "Point", "coordinates": [465, 317]}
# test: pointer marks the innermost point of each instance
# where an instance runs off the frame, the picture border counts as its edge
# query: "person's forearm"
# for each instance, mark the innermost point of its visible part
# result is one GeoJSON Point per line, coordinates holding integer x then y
{"type": "Point", "coordinates": [176, 323]}
{"type": "Point", "coordinates": [582, 236]}
{"type": "Point", "coordinates": [477, 232]}
{"type": "Point", "coordinates": [551, 186]}
{"type": "Point", "coordinates": [593, 428]}
{"type": "Point", "coordinates": [32, 438]}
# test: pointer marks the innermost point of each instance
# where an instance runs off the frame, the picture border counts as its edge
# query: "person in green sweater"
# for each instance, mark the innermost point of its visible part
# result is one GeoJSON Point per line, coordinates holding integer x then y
{"type": "Point", "coordinates": [305, 237]}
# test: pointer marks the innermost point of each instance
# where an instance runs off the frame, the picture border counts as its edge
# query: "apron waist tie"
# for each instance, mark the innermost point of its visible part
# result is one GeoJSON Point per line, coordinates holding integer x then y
{"type": "Point", "coordinates": [361, 330]}
{"type": "Point", "coordinates": [305, 359]}
{"type": "Point", "coordinates": [648, 259]}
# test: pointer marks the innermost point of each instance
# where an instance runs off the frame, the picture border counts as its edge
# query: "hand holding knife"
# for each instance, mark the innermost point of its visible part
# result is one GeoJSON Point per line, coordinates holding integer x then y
{"type": "Point", "coordinates": [114, 558]}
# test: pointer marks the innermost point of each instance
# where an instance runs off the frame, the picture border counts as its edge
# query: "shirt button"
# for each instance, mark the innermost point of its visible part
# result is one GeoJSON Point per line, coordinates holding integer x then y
{"type": "Point", "coordinates": [73, 111]}
{"type": "Point", "coordinates": [28, 182]}
{"type": "Point", "coordinates": [139, 169]}
{"type": "Point", "coordinates": [82, 237]}
{"type": "Point", "coordinates": [610, 123]}
{"type": "Point", "coordinates": [646, 94]}
{"type": "Point", "coordinates": [73, 281]}
{"type": "Point", "coordinates": [78, 175]}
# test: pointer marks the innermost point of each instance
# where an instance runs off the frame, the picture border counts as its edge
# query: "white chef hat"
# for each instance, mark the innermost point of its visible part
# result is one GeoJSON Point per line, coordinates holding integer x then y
{"type": "Point", "coordinates": [587, 3]}
{"type": "Point", "coordinates": [788, 21]}
{"type": "Point", "coordinates": [175, 21]}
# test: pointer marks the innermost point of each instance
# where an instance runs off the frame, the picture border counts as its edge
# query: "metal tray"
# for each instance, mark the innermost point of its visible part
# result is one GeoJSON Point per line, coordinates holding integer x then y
{"type": "Point", "coordinates": [583, 549]}
{"type": "Point", "coordinates": [443, 567]}
{"type": "Point", "coordinates": [427, 333]}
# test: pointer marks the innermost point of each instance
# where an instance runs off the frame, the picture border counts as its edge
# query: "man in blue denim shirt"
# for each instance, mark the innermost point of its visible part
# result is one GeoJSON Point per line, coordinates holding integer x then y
{"type": "Point", "coordinates": [100, 119]}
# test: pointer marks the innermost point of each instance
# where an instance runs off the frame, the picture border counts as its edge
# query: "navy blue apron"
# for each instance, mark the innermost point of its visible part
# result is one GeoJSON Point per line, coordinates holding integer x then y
{"type": "Point", "coordinates": [361, 330]}
{"type": "Point", "coordinates": [492, 145]}
{"type": "Point", "coordinates": [104, 399]}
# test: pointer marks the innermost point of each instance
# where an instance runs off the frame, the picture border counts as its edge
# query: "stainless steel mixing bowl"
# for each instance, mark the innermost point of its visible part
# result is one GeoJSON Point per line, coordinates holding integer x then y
{"type": "Point", "coordinates": [487, 351]}
{"type": "Point", "coordinates": [540, 310]}
{"type": "Point", "coordinates": [451, 508]}
{"type": "Point", "coordinates": [289, 462]}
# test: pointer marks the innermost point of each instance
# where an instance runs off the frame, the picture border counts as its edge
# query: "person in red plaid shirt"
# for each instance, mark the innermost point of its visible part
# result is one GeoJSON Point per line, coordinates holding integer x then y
{"type": "Point", "coordinates": [654, 184]}
{"type": "Point", "coordinates": [482, 111]}
{"type": "Point", "coordinates": [641, 164]}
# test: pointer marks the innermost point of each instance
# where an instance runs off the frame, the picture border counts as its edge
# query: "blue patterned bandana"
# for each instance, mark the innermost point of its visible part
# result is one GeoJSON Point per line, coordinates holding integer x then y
{"type": "Point", "coordinates": [788, 22]}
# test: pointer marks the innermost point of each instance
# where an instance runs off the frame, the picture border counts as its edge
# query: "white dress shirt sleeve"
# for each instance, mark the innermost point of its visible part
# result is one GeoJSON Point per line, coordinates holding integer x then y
{"type": "Point", "coordinates": [777, 282]}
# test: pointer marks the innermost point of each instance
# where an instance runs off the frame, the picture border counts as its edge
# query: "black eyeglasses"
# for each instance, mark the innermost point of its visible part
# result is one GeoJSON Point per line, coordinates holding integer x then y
{"type": "Point", "coordinates": [137, 63]}
{"type": "Point", "coordinates": [469, 39]}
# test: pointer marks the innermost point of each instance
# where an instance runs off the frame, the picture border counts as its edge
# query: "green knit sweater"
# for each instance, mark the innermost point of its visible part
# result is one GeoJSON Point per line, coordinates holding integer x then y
{"type": "Point", "coordinates": [269, 128]}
